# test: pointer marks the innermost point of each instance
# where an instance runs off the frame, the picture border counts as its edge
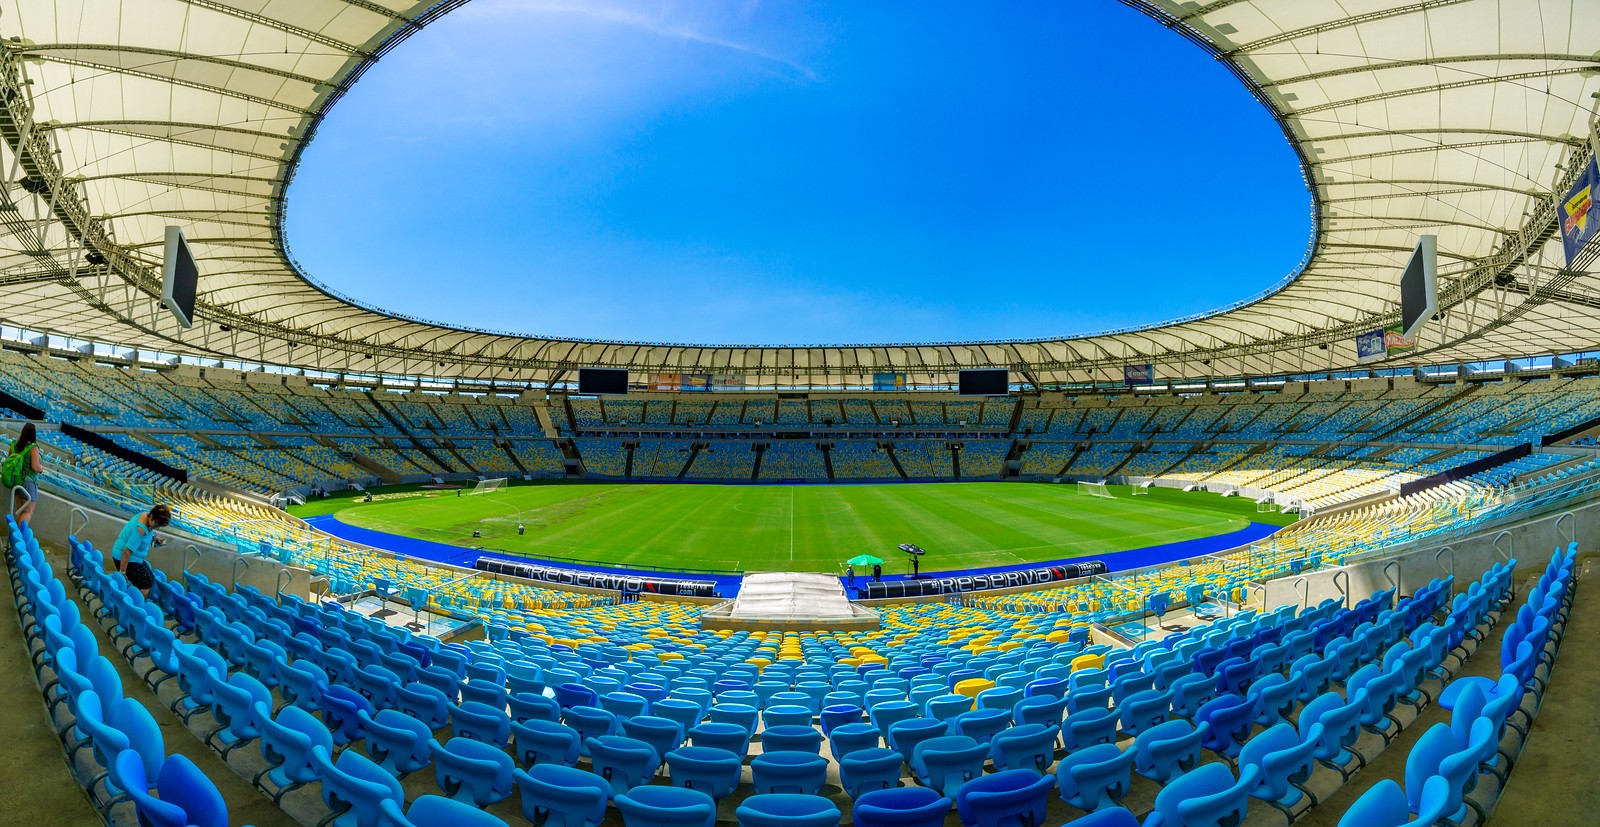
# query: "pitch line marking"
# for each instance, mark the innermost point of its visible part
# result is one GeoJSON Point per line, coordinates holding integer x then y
{"type": "Point", "coordinates": [759, 511]}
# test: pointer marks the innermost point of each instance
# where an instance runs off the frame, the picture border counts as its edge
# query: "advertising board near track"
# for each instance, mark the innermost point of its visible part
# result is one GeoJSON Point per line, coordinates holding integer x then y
{"type": "Point", "coordinates": [625, 583]}
{"type": "Point", "coordinates": [983, 581]}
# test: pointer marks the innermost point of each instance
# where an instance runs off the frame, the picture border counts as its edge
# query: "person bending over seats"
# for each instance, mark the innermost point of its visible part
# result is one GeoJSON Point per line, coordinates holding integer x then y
{"type": "Point", "coordinates": [133, 546]}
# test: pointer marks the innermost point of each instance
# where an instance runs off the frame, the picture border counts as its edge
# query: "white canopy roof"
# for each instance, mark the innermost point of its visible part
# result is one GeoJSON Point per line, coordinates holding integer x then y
{"type": "Point", "coordinates": [1454, 117]}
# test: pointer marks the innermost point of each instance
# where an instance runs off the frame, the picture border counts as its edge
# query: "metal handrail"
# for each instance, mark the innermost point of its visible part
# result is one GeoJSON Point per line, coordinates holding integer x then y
{"type": "Point", "coordinates": [277, 586]}
{"type": "Point", "coordinates": [1451, 570]}
{"type": "Point", "coordinates": [1303, 586]}
{"type": "Point", "coordinates": [1572, 531]}
{"type": "Point", "coordinates": [1506, 553]}
{"type": "Point", "coordinates": [234, 573]}
{"type": "Point", "coordinates": [1394, 580]}
{"type": "Point", "coordinates": [188, 547]}
{"type": "Point", "coordinates": [1344, 587]}
{"type": "Point", "coordinates": [15, 490]}
{"type": "Point", "coordinates": [72, 518]}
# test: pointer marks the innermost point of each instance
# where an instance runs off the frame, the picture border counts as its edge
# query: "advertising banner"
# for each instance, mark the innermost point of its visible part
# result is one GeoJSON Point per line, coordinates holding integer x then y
{"type": "Point", "coordinates": [1138, 374]}
{"type": "Point", "coordinates": [1579, 213]}
{"type": "Point", "coordinates": [888, 381]}
{"type": "Point", "coordinates": [1371, 347]}
{"type": "Point", "coordinates": [1394, 340]}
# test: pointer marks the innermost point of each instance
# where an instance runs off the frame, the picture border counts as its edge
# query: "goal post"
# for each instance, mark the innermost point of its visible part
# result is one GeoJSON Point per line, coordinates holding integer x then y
{"type": "Point", "coordinates": [488, 486]}
{"type": "Point", "coordinates": [1095, 489]}
{"type": "Point", "coordinates": [1140, 490]}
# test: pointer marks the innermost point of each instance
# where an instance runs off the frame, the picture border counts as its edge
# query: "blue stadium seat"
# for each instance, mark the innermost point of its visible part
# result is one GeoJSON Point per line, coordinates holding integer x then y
{"type": "Point", "coordinates": [471, 771]}
{"type": "Point", "coordinates": [787, 810]}
{"type": "Point", "coordinates": [656, 806]}
{"type": "Point", "coordinates": [558, 796]}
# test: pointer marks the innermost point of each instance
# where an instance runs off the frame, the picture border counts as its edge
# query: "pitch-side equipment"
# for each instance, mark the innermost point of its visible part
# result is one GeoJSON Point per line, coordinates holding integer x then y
{"type": "Point", "coordinates": [488, 486]}
{"type": "Point", "coordinates": [1095, 489]}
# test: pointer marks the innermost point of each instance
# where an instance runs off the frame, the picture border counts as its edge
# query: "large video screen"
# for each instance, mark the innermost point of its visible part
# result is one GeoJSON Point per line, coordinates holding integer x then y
{"type": "Point", "coordinates": [609, 381]}
{"type": "Point", "coordinates": [1419, 287]}
{"type": "Point", "coordinates": [180, 277]}
{"type": "Point", "coordinates": [985, 382]}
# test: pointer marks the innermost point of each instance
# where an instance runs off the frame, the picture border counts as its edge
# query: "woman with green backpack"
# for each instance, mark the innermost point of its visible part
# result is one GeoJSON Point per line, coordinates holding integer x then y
{"type": "Point", "coordinates": [21, 469]}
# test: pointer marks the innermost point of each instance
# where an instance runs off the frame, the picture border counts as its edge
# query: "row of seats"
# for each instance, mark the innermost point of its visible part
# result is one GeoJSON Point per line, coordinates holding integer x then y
{"type": "Point", "coordinates": [83, 694]}
{"type": "Point", "coordinates": [770, 700]}
{"type": "Point", "coordinates": [1303, 547]}
{"type": "Point", "coordinates": [1443, 768]}
{"type": "Point", "coordinates": [820, 412]}
{"type": "Point", "coordinates": [606, 735]}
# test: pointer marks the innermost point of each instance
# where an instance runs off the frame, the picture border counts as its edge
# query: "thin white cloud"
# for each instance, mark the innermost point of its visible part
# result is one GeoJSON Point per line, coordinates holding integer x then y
{"type": "Point", "coordinates": [658, 26]}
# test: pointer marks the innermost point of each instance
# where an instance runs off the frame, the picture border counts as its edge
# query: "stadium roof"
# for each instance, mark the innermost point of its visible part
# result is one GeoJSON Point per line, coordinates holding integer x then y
{"type": "Point", "coordinates": [1454, 117]}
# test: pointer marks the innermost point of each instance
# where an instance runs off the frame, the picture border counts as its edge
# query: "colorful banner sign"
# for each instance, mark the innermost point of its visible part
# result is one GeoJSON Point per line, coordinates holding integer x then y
{"type": "Point", "coordinates": [888, 381]}
{"type": "Point", "coordinates": [1579, 212]}
{"type": "Point", "coordinates": [727, 382]}
{"type": "Point", "coordinates": [664, 381]}
{"type": "Point", "coordinates": [1138, 374]}
{"type": "Point", "coordinates": [1394, 339]}
{"type": "Point", "coordinates": [695, 382]}
{"type": "Point", "coordinates": [1371, 347]}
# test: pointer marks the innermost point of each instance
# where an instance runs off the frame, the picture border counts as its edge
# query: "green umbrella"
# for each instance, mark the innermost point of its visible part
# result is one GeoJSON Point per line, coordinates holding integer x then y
{"type": "Point", "coordinates": [864, 560]}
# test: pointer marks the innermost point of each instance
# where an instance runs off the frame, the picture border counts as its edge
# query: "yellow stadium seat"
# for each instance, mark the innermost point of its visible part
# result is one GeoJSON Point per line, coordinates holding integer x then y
{"type": "Point", "coordinates": [972, 686]}
{"type": "Point", "coordinates": [1088, 662]}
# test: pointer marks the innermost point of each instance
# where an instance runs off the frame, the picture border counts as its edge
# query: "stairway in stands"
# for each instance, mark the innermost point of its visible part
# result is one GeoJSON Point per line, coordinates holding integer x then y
{"type": "Point", "coordinates": [406, 433]}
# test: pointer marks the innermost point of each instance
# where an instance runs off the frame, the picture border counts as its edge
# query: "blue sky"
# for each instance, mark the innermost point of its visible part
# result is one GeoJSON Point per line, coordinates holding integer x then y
{"type": "Point", "coordinates": [820, 172]}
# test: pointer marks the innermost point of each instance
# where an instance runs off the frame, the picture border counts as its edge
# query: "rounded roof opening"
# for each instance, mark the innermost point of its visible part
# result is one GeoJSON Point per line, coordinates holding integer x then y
{"type": "Point", "coordinates": [810, 173]}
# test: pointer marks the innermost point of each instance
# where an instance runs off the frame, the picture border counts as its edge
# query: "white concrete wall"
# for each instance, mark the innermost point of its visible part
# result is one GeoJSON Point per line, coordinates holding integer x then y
{"type": "Point", "coordinates": [1530, 542]}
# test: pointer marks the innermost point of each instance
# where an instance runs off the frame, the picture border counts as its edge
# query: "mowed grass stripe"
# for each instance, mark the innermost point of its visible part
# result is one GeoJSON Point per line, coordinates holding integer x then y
{"type": "Point", "coordinates": [962, 525]}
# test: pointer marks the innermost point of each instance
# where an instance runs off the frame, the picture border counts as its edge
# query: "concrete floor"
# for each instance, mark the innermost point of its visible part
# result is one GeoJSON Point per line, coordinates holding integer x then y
{"type": "Point", "coordinates": [50, 795]}
{"type": "Point", "coordinates": [1556, 782]}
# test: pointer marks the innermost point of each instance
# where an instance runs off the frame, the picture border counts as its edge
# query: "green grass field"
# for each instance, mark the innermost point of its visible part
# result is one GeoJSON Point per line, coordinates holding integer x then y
{"type": "Point", "coordinates": [799, 528]}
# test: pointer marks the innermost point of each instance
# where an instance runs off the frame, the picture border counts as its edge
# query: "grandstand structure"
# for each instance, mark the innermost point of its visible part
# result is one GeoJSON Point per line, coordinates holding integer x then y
{"type": "Point", "coordinates": [1281, 675]}
{"type": "Point", "coordinates": [1316, 444]}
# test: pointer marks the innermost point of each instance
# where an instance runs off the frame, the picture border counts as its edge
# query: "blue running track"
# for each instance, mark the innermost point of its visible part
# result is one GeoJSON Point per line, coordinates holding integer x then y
{"type": "Point", "coordinates": [728, 584]}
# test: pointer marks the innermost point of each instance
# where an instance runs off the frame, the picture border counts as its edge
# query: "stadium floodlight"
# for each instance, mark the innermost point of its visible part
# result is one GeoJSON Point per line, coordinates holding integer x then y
{"type": "Point", "coordinates": [1095, 489]}
{"type": "Point", "coordinates": [488, 486]}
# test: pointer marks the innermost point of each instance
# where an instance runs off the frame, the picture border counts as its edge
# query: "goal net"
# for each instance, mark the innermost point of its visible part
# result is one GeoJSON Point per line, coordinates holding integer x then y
{"type": "Point", "coordinates": [1094, 489]}
{"type": "Point", "coordinates": [1140, 490]}
{"type": "Point", "coordinates": [488, 486]}
{"type": "Point", "coordinates": [1264, 506]}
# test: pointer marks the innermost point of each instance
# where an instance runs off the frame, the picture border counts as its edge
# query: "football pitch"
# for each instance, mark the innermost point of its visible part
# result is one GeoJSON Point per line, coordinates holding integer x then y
{"type": "Point", "coordinates": [798, 527]}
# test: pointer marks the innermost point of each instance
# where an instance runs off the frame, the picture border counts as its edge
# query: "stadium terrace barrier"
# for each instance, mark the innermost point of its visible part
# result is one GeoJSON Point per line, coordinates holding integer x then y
{"type": "Point", "coordinates": [627, 584]}
{"type": "Point", "coordinates": [1465, 558]}
{"type": "Point", "coordinates": [1568, 433]}
{"type": "Point", "coordinates": [66, 515]}
{"type": "Point", "coordinates": [1467, 470]}
{"type": "Point", "coordinates": [28, 411]}
{"type": "Point", "coordinates": [877, 590]}
{"type": "Point", "coordinates": [91, 438]}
